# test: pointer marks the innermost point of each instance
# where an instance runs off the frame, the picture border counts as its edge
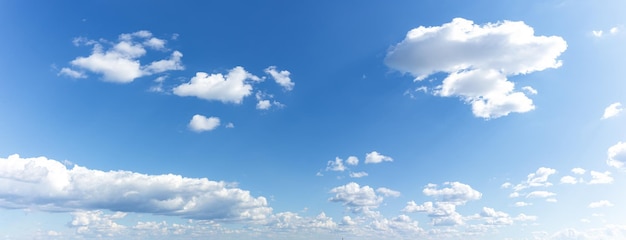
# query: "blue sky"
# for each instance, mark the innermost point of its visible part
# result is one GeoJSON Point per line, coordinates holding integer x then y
{"type": "Point", "coordinates": [312, 120]}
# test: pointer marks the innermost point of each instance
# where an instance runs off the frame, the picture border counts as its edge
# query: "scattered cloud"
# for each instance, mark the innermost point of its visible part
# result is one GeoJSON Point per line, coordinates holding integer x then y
{"type": "Point", "coordinates": [336, 165]}
{"type": "Point", "coordinates": [358, 174]}
{"type": "Point", "coordinates": [356, 198]}
{"type": "Point", "coordinates": [478, 59]}
{"type": "Point", "coordinates": [612, 110]}
{"type": "Point", "coordinates": [232, 87]}
{"type": "Point", "coordinates": [617, 155]}
{"type": "Point", "coordinates": [569, 180]}
{"type": "Point", "coordinates": [540, 194]}
{"type": "Point", "coordinates": [48, 185]}
{"type": "Point", "coordinates": [72, 73]}
{"type": "Point", "coordinates": [602, 203]}
{"type": "Point", "coordinates": [600, 177]}
{"type": "Point", "coordinates": [119, 62]}
{"type": "Point", "coordinates": [522, 204]}
{"type": "Point", "coordinates": [601, 33]}
{"type": "Point", "coordinates": [281, 77]}
{"type": "Point", "coordinates": [530, 90]}
{"type": "Point", "coordinates": [536, 179]}
{"type": "Point", "coordinates": [440, 213]}
{"type": "Point", "coordinates": [230, 125]}
{"type": "Point", "coordinates": [375, 157]}
{"type": "Point", "coordinates": [201, 123]}
{"type": "Point", "coordinates": [578, 171]}
{"type": "Point", "coordinates": [388, 192]}
{"type": "Point", "coordinates": [456, 193]}
{"type": "Point", "coordinates": [263, 104]}
{"type": "Point", "coordinates": [352, 160]}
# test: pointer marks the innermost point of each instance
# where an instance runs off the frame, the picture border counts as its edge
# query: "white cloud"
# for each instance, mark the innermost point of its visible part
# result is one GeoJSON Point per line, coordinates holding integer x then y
{"type": "Point", "coordinates": [600, 33]}
{"type": "Point", "coordinates": [530, 90]}
{"type": "Point", "coordinates": [597, 33]}
{"type": "Point", "coordinates": [617, 155]}
{"type": "Point", "coordinates": [48, 185]}
{"type": "Point", "coordinates": [263, 104]}
{"type": "Point", "coordinates": [358, 174]}
{"type": "Point", "coordinates": [506, 185]}
{"type": "Point", "coordinates": [536, 179]}
{"type": "Point", "coordinates": [230, 88]}
{"type": "Point", "coordinates": [375, 157]}
{"type": "Point", "coordinates": [578, 171]}
{"type": "Point", "coordinates": [356, 198]}
{"type": "Point", "coordinates": [174, 63]}
{"type": "Point", "coordinates": [440, 213]}
{"type": "Point", "coordinates": [120, 63]}
{"type": "Point", "coordinates": [601, 178]}
{"type": "Point", "coordinates": [336, 165]}
{"type": "Point", "coordinates": [602, 203]}
{"type": "Point", "coordinates": [96, 223]}
{"type": "Point", "coordinates": [540, 194]}
{"type": "Point", "coordinates": [522, 204]}
{"type": "Point", "coordinates": [352, 160]}
{"type": "Point", "coordinates": [388, 192]}
{"type": "Point", "coordinates": [457, 193]}
{"type": "Point", "coordinates": [493, 217]}
{"type": "Point", "coordinates": [230, 125]}
{"type": "Point", "coordinates": [282, 77]}
{"type": "Point", "coordinates": [569, 180]}
{"type": "Point", "coordinates": [514, 195]}
{"type": "Point", "coordinates": [478, 59]}
{"type": "Point", "coordinates": [72, 73]}
{"type": "Point", "coordinates": [155, 43]}
{"type": "Point", "coordinates": [612, 110]}
{"type": "Point", "coordinates": [552, 200]}
{"type": "Point", "coordinates": [201, 123]}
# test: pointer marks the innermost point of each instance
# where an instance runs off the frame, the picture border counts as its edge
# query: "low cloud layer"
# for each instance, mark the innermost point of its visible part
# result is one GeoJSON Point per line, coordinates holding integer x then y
{"type": "Point", "coordinates": [477, 61]}
{"type": "Point", "coordinates": [48, 185]}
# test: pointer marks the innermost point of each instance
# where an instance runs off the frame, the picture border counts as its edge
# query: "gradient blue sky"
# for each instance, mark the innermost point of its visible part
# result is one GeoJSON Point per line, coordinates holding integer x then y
{"type": "Point", "coordinates": [312, 120]}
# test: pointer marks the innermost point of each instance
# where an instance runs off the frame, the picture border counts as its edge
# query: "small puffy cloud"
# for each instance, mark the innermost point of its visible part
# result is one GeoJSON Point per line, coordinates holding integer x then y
{"type": "Point", "coordinates": [612, 110]}
{"type": "Point", "coordinates": [120, 62]}
{"type": "Point", "coordinates": [601, 33]}
{"type": "Point", "coordinates": [602, 203]}
{"type": "Point", "coordinates": [578, 171]}
{"type": "Point", "coordinates": [358, 174]}
{"type": "Point", "coordinates": [600, 177]}
{"type": "Point", "coordinates": [506, 185]}
{"type": "Point", "coordinates": [617, 155]}
{"type": "Point", "coordinates": [281, 77]}
{"type": "Point", "coordinates": [263, 104]}
{"type": "Point", "coordinates": [493, 217]}
{"type": "Point", "coordinates": [597, 33]}
{"type": "Point", "coordinates": [355, 197]}
{"type": "Point", "coordinates": [522, 204]}
{"type": "Point", "coordinates": [540, 194]}
{"type": "Point", "coordinates": [96, 223]}
{"type": "Point", "coordinates": [440, 213]}
{"type": "Point", "coordinates": [456, 192]}
{"type": "Point", "coordinates": [536, 179]}
{"type": "Point", "coordinates": [230, 125]}
{"type": "Point", "coordinates": [478, 59]}
{"type": "Point", "coordinates": [336, 165]}
{"type": "Point", "coordinates": [375, 157]}
{"type": "Point", "coordinates": [72, 73]}
{"type": "Point", "coordinates": [514, 195]}
{"type": "Point", "coordinates": [201, 123]}
{"type": "Point", "coordinates": [352, 160]}
{"type": "Point", "coordinates": [232, 87]}
{"type": "Point", "coordinates": [552, 200]}
{"type": "Point", "coordinates": [48, 185]}
{"type": "Point", "coordinates": [530, 90]}
{"type": "Point", "coordinates": [388, 192]}
{"type": "Point", "coordinates": [569, 180]}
